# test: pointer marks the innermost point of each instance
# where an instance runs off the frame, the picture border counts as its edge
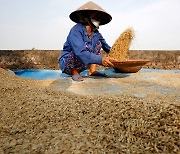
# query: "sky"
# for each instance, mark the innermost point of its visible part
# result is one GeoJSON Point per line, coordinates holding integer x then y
{"type": "Point", "coordinates": [45, 24]}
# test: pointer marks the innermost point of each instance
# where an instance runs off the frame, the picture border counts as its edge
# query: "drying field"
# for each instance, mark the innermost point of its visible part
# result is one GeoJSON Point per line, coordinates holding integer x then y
{"type": "Point", "coordinates": [34, 118]}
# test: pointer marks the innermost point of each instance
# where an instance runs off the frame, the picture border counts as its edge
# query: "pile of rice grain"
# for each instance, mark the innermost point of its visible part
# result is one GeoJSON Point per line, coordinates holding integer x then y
{"type": "Point", "coordinates": [121, 46]}
{"type": "Point", "coordinates": [37, 119]}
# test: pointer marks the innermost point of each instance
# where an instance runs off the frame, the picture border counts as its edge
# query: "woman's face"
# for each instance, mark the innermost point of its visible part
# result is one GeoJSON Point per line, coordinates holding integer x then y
{"type": "Point", "coordinates": [95, 23]}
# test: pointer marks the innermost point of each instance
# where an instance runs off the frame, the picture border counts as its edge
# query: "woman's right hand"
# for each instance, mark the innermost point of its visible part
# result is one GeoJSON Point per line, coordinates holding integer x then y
{"type": "Point", "coordinates": [107, 61]}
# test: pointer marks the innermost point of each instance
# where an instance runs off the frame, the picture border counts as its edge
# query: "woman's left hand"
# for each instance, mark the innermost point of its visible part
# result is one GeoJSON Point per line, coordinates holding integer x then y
{"type": "Point", "coordinates": [107, 61]}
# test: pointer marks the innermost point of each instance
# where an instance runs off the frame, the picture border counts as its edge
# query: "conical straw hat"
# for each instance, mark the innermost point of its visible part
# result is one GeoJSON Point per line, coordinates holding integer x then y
{"type": "Point", "coordinates": [89, 8]}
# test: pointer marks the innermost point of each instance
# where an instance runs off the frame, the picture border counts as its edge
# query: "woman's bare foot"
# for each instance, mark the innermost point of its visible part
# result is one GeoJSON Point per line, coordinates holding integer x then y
{"type": "Point", "coordinates": [93, 72]}
{"type": "Point", "coordinates": [96, 73]}
{"type": "Point", "coordinates": [76, 75]}
{"type": "Point", "coordinates": [92, 69]}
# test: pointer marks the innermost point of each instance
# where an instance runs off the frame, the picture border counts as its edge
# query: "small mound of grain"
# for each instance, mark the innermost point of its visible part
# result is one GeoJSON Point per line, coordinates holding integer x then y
{"type": "Point", "coordinates": [121, 46]}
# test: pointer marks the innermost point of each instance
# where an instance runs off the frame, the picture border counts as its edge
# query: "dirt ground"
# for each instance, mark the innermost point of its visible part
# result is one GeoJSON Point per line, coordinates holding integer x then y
{"type": "Point", "coordinates": [57, 117]}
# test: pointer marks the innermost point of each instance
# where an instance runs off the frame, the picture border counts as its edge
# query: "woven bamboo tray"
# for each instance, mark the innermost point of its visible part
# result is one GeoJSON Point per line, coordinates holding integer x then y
{"type": "Point", "coordinates": [129, 66]}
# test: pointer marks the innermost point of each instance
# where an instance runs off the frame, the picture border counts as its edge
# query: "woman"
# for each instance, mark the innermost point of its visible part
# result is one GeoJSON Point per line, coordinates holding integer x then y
{"type": "Point", "coordinates": [82, 49]}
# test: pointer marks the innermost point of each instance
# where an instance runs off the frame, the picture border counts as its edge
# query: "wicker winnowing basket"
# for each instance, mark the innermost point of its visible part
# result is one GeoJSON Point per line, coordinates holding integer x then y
{"type": "Point", "coordinates": [129, 66]}
{"type": "Point", "coordinates": [120, 50]}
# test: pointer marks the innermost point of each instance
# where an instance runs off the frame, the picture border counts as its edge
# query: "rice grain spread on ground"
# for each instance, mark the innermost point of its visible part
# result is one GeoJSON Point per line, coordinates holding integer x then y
{"type": "Point", "coordinates": [35, 118]}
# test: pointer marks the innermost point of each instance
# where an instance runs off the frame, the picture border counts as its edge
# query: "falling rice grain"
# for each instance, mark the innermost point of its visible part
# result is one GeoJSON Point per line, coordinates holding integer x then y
{"type": "Point", "coordinates": [121, 46]}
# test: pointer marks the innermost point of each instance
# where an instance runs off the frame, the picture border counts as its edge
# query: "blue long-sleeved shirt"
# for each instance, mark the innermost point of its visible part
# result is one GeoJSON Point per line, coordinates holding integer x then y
{"type": "Point", "coordinates": [76, 42]}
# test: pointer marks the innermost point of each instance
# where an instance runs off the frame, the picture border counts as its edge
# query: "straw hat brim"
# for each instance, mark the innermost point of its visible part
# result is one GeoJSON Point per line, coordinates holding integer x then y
{"type": "Point", "coordinates": [103, 17]}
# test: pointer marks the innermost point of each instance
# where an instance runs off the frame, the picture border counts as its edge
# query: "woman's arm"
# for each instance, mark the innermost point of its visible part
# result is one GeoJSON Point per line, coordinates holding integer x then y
{"type": "Point", "coordinates": [105, 46]}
